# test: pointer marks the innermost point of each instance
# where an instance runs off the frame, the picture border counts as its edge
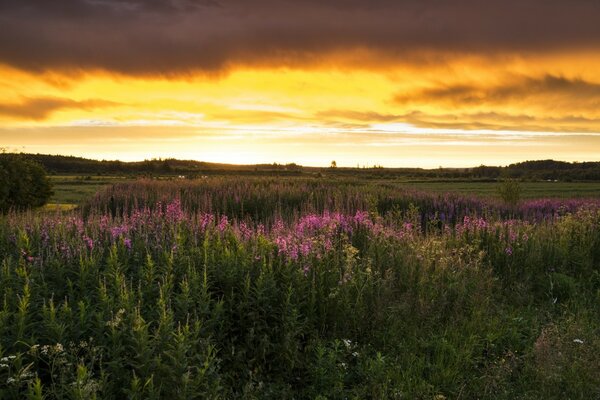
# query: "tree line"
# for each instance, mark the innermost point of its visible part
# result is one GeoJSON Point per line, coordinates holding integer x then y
{"type": "Point", "coordinates": [528, 170]}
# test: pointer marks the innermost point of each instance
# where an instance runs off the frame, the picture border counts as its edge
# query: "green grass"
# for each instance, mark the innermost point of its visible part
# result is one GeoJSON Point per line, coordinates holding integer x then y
{"type": "Point", "coordinates": [531, 190]}
{"type": "Point", "coordinates": [72, 189]}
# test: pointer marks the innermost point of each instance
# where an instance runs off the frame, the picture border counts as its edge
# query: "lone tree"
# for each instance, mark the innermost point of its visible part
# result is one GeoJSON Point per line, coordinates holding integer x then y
{"type": "Point", "coordinates": [23, 183]}
{"type": "Point", "coordinates": [510, 192]}
{"type": "Point", "coordinates": [333, 164]}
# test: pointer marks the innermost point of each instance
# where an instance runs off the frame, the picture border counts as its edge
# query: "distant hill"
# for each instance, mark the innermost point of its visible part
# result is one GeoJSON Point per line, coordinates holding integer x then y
{"type": "Point", "coordinates": [527, 170]}
{"type": "Point", "coordinates": [555, 170]}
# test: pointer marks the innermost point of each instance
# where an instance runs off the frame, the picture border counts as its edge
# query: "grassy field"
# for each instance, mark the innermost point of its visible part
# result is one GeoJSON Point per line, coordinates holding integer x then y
{"type": "Point", "coordinates": [531, 190]}
{"type": "Point", "coordinates": [73, 190]}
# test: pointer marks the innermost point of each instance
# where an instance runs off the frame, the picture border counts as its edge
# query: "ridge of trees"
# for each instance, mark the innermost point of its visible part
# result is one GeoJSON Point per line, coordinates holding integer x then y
{"type": "Point", "coordinates": [527, 170]}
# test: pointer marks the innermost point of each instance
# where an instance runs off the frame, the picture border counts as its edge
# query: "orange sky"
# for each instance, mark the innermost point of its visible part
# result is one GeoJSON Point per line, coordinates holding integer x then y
{"type": "Point", "coordinates": [357, 105]}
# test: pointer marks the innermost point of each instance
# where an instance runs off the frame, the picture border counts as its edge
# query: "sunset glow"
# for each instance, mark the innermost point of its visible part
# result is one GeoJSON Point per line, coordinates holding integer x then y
{"type": "Point", "coordinates": [419, 103]}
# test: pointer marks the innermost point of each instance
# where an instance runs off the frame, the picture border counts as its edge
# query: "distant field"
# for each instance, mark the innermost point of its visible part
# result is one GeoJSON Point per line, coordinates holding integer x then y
{"type": "Point", "coordinates": [71, 189]}
{"type": "Point", "coordinates": [530, 189]}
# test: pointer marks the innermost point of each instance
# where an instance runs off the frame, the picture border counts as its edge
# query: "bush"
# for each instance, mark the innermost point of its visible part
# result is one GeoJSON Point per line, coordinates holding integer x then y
{"type": "Point", "coordinates": [23, 183]}
{"type": "Point", "coordinates": [510, 192]}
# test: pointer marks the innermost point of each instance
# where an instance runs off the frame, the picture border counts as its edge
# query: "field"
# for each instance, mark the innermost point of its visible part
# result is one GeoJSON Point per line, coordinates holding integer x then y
{"type": "Point", "coordinates": [268, 288]}
{"type": "Point", "coordinates": [74, 190]}
{"type": "Point", "coordinates": [531, 190]}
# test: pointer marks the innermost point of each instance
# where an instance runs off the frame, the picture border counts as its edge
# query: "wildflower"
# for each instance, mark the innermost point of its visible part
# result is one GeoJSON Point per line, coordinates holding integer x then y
{"type": "Point", "coordinates": [578, 341]}
{"type": "Point", "coordinates": [306, 269]}
{"type": "Point", "coordinates": [508, 251]}
{"type": "Point", "coordinates": [205, 220]}
{"type": "Point", "coordinates": [347, 342]}
{"type": "Point", "coordinates": [116, 321]}
{"type": "Point", "coordinates": [89, 242]}
{"type": "Point", "coordinates": [3, 365]}
{"type": "Point", "coordinates": [127, 243]}
{"type": "Point", "coordinates": [223, 223]}
{"type": "Point", "coordinates": [305, 249]}
{"type": "Point", "coordinates": [174, 212]}
{"type": "Point", "coordinates": [10, 380]}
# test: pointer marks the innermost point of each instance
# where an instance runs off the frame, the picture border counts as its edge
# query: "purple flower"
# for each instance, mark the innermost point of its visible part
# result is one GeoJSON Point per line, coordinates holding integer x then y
{"type": "Point", "coordinates": [127, 243]}
{"type": "Point", "coordinates": [89, 242]}
{"type": "Point", "coordinates": [174, 212]}
{"type": "Point", "coordinates": [306, 269]}
{"type": "Point", "coordinates": [223, 223]}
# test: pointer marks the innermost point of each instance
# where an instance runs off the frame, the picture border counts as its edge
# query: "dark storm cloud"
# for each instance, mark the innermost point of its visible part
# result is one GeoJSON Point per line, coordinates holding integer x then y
{"type": "Point", "coordinates": [176, 36]}
{"type": "Point", "coordinates": [40, 108]}
{"type": "Point", "coordinates": [577, 93]}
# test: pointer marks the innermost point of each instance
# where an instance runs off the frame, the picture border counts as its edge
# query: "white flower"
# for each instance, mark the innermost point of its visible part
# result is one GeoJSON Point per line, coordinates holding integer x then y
{"type": "Point", "coordinates": [355, 353]}
{"type": "Point", "coordinates": [3, 365]}
{"type": "Point", "coordinates": [347, 342]}
{"type": "Point", "coordinates": [578, 341]}
{"type": "Point", "coordinates": [10, 380]}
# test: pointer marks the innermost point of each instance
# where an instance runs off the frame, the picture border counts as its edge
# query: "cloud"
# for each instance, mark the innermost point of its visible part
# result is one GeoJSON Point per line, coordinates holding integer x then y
{"type": "Point", "coordinates": [571, 93]}
{"type": "Point", "coordinates": [180, 36]}
{"type": "Point", "coordinates": [470, 121]}
{"type": "Point", "coordinates": [40, 108]}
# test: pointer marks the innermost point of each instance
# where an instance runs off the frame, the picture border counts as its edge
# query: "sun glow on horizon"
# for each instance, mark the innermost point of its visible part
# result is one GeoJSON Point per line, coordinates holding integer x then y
{"type": "Point", "coordinates": [480, 113]}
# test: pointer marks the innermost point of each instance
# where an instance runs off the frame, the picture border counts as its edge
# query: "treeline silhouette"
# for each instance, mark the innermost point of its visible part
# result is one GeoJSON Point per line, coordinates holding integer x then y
{"type": "Point", "coordinates": [528, 170]}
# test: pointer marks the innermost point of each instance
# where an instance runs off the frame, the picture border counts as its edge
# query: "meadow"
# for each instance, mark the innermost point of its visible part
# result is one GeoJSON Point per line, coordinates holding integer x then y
{"type": "Point", "coordinates": [76, 189]}
{"type": "Point", "coordinates": [266, 288]}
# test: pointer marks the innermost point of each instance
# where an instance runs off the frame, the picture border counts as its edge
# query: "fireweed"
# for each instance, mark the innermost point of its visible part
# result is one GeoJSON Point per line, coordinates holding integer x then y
{"type": "Point", "coordinates": [232, 289]}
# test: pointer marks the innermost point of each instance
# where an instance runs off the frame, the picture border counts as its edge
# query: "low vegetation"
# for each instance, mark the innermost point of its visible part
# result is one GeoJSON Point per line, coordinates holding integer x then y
{"type": "Point", "coordinates": [23, 183]}
{"type": "Point", "coordinates": [266, 289]}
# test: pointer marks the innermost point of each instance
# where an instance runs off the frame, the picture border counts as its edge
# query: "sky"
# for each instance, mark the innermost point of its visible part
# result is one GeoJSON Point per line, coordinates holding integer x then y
{"type": "Point", "coordinates": [397, 83]}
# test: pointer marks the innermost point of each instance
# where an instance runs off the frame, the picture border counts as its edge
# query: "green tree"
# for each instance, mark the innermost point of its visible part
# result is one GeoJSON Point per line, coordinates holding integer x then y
{"type": "Point", "coordinates": [510, 192]}
{"type": "Point", "coordinates": [23, 183]}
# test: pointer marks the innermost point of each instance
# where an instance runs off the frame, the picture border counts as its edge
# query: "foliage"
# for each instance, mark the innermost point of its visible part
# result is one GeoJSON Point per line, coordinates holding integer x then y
{"type": "Point", "coordinates": [528, 170]}
{"type": "Point", "coordinates": [229, 290]}
{"type": "Point", "coordinates": [510, 192]}
{"type": "Point", "coordinates": [23, 183]}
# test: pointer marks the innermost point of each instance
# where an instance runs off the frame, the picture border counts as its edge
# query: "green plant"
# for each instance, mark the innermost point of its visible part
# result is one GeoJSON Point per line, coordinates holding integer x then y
{"type": "Point", "coordinates": [510, 192]}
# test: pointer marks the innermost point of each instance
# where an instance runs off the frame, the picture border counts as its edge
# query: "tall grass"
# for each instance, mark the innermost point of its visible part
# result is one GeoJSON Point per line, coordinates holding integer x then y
{"type": "Point", "coordinates": [297, 289]}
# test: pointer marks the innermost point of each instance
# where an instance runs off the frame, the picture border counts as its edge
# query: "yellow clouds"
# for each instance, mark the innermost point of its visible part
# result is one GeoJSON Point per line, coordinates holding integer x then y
{"type": "Point", "coordinates": [461, 110]}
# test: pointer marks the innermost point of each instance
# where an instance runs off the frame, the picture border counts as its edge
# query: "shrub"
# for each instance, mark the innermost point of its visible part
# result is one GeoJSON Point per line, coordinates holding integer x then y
{"type": "Point", "coordinates": [23, 183]}
{"type": "Point", "coordinates": [510, 192]}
